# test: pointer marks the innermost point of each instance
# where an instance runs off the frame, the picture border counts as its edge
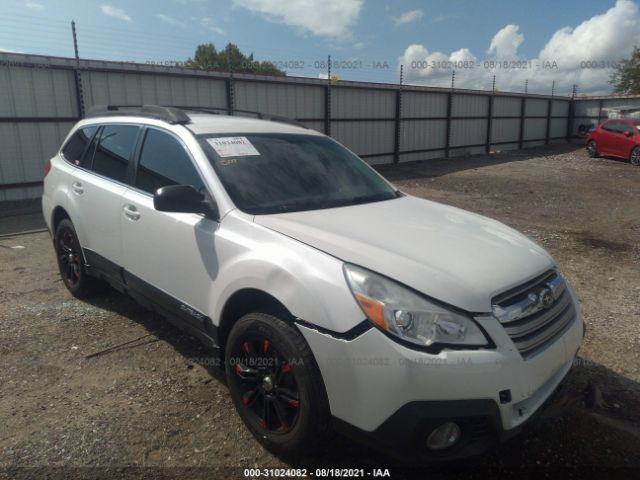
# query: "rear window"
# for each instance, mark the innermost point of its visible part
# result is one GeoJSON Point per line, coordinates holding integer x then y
{"type": "Point", "coordinates": [77, 144]}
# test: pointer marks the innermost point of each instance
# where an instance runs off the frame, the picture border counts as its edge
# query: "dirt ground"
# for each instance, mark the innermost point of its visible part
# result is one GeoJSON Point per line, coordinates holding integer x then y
{"type": "Point", "coordinates": [155, 408]}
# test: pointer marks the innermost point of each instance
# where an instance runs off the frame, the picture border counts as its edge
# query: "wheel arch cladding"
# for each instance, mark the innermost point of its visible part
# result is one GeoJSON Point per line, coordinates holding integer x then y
{"type": "Point", "coordinates": [249, 300]}
{"type": "Point", "coordinates": [58, 214]}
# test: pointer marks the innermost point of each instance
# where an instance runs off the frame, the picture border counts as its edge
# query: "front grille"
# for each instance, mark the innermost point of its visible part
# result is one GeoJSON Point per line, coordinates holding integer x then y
{"type": "Point", "coordinates": [536, 313]}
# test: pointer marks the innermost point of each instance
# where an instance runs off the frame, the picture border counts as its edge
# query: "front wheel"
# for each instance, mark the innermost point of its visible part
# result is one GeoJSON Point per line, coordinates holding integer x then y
{"type": "Point", "coordinates": [275, 384]}
{"type": "Point", "coordinates": [592, 149]}
{"type": "Point", "coordinates": [635, 157]}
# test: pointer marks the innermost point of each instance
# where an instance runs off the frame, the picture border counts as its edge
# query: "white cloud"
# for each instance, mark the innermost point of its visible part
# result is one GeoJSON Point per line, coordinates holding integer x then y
{"type": "Point", "coordinates": [442, 18]}
{"type": "Point", "coordinates": [408, 17]}
{"type": "Point", "coordinates": [209, 24]}
{"type": "Point", "coordinates": [6, 50]}
{"type": "Point", "coordinates": [170, 20]}
{"type": "Point", "coordinates": [34, 6]}
{"type": "Point", "coordinates": [115, 12]}
{"type": "Point", "coordinates": [325, 18]}
{"type": "Point", "coordinates": [505, 43]}
{"type": "Point", "coordinates": [462, 55]}
{"type": "Point", "coordinates": [565, 58]}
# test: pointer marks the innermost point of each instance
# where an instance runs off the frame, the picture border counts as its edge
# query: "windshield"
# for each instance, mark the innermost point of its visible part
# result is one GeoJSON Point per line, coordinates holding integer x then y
{"type": "Point", "coordinates": [277, 173]}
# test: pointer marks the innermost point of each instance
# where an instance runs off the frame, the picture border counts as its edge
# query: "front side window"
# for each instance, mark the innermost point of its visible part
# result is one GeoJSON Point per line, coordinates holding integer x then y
{"type": "Point", "coordinates": [628, 127]}
{"type": "Point", "coordinates": [77, 144]}
{"type": "Point", "coordinates": [165, 161]}
{"type": "Point", "coordinates": [114, 150]}
{"type": "Point", "coordinates": [276, 173]}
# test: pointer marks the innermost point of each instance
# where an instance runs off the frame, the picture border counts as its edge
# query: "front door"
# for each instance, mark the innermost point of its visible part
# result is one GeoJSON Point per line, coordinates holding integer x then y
{"type": "Point", "coordinates": [170, 257]}
{"type": "Point", "coordinates": [627, 140]}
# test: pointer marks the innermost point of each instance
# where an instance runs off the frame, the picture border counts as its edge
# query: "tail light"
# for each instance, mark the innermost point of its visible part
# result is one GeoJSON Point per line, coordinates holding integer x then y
{"type": "Point", "coordinates": [47, 167]}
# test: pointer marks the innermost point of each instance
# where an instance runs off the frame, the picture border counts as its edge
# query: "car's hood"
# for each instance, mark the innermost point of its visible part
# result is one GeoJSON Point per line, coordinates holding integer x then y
{"type": "Point", "coordinates": [455, 256]}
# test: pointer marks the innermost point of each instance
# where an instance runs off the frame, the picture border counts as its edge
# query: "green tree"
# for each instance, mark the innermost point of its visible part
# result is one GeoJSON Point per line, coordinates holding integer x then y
{"type": "Point", "coordinates": [231, 58]}
{"type": "Point", "coordinates": [206, 57]}
{"type": "Point", "coordinates": [626, 77]}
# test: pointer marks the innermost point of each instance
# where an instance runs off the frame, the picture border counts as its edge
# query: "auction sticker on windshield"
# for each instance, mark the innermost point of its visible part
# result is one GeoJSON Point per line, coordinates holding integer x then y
{"type": "Point", "coordinates": [232, 146]}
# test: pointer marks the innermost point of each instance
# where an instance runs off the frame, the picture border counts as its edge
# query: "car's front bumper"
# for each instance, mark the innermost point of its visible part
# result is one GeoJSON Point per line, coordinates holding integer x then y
{"type": "Point", "coordinates": [394, 395]}
{"type": "Point", "coordinates": [403, 435]}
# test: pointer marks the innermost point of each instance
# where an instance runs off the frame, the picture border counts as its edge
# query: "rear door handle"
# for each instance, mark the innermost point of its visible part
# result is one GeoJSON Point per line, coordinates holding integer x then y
{"type": "Point", "coordinates": [131, 212]}
{"type": "Point", "coordinates": [77, 188]}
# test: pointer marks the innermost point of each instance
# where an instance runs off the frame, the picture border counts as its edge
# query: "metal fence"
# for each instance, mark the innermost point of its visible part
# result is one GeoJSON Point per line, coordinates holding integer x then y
{"type": "Point", "coordinates": [42, 97]}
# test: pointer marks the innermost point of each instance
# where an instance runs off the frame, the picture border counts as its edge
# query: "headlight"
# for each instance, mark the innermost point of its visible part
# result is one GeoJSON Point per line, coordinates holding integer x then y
{"type": "Point", "coordinates": [407, 315]}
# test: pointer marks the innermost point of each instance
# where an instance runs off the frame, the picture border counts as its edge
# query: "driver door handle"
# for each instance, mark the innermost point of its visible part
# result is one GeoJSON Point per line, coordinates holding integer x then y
{"type": "Point", "coordinates": [131, 212]}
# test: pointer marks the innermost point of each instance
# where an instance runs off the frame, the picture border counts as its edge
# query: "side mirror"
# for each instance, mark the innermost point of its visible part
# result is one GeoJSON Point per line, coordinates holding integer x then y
{"type": "Point", "coordinates": [184, 199]}
{"type": "Point", "coordinates": [629, 133]}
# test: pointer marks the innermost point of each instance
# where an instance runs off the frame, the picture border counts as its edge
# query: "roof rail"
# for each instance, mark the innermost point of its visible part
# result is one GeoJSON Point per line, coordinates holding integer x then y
{"type": "Point", "coordinates": [177, 114]}
{"type": "Point", "coordinates": [168, 114]}
{"type": "Point", "coordinates": [260, 115]}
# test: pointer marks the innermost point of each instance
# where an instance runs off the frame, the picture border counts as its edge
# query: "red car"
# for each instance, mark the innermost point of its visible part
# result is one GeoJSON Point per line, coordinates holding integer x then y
{"type": "Point", "coordinates": [616, 137]}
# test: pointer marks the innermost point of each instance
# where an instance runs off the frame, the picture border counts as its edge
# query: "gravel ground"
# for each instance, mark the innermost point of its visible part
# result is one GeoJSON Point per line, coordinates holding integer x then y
{"type": "Point", "coordinates": [157, 408]}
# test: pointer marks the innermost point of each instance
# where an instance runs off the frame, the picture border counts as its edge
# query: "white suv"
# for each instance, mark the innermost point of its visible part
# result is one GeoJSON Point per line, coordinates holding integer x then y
{"type": "Point", "coordinates": [335, 300]}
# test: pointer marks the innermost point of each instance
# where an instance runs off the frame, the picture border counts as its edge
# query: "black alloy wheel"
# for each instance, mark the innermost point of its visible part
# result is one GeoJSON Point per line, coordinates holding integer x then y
{"type": "Point", "coordinates": [71, 261]}
{"type": "Point", "coordinates": [275, 383]}
{"type": "Point", "coordinates": [268, 387]}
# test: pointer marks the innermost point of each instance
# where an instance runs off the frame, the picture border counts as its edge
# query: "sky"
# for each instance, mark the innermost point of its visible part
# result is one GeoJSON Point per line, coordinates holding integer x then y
{"type": "Point", "coordinates": [534, 42]}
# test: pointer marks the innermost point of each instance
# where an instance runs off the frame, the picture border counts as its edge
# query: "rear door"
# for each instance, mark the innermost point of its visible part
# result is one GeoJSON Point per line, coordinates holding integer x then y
{"type": "Point", "coordinates": [170, 258]}
{"type": "Point", "coordinates": [98, 185]}
{"type": "Point", "coordinates": [607, 138]}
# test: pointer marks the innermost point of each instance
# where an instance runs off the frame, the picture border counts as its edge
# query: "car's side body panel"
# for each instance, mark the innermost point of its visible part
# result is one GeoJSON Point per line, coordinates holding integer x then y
{"type": "Point", "coordinates": [310, 283]}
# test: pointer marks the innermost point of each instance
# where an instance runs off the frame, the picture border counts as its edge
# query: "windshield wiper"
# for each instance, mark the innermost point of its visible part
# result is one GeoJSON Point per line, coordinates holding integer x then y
{"type": "Point", "coordinates": [320, 204]}
{"type": "Point", "coordinates": [364, 199]}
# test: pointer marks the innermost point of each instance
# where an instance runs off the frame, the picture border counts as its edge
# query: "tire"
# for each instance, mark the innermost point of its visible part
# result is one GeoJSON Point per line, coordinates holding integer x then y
{"type": "Point", "coordinates": [592, 149]}
{"type": "Point", "coordinates": [276, 385]}
{"type": "Point", "coordinates": [634, 158]}
{"type": "Point", "coordinates": [71, 262]}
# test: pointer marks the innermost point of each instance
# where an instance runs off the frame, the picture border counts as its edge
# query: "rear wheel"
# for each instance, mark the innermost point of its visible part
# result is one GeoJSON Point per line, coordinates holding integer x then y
{"type": "Point", "coordinates": [275, 384]}
{"type": "Point", "coordinates": [592, 149]}
{"type": "Point", "coordinates": [635, 157]}
{"type": "Point", "coordinates": [71, 261]}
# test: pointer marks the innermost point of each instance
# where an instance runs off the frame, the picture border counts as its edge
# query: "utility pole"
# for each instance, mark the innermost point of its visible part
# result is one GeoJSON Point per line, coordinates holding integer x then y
{"type": "Point", "coordinates": [327, 99]}
{"type": "Point", "coordinates": [76, 72]}
{"type": "Point", "coordinates": [398, 119]}
{"type": "Point", "coordinates": [75, 39]}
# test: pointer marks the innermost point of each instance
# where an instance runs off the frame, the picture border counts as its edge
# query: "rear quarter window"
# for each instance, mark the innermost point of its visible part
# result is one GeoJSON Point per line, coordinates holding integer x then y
{"type": "Point", "coordinates": [76, 146]}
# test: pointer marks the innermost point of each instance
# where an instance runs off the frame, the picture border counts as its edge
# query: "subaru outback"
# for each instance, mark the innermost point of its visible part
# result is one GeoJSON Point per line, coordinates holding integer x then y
{"type": "Point", "coordinates": [336, 301]}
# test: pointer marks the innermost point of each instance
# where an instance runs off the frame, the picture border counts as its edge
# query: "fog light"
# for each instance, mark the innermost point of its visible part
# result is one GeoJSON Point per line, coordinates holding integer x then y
{"type": "Point", "coordinates": [444, 436]}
